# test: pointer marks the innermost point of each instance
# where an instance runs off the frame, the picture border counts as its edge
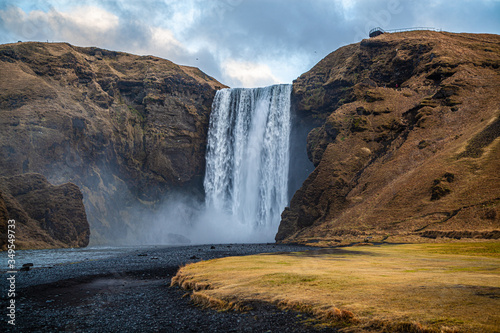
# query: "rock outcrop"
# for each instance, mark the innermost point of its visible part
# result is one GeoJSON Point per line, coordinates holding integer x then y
{"type": "Point", "coordinates": [45, 215]}
{"type": "Point", "coordinates": [126, 129]}
{"type": "Point", "coordinates": [407, 144]}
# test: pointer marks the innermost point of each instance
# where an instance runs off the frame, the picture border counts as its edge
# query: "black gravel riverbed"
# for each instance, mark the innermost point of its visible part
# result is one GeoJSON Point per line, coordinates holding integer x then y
{"type": "Point", "coordinates": [129, 292]}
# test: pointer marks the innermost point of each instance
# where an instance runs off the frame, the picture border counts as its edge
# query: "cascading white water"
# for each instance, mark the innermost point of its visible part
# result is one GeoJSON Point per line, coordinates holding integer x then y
{"type": "Point", "coordinates": [248, 157]}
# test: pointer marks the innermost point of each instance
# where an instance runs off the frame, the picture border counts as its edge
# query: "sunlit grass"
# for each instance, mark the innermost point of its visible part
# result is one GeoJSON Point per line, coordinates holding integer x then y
{"type": "Point", "coordinates": [470, 249]}
{"type": "Point", "coordinates": [426, 286]}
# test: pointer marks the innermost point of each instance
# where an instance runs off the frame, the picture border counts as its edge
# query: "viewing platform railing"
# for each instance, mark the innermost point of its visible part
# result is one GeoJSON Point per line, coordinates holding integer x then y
{"type": "Point", "coordinates": [378, 30]}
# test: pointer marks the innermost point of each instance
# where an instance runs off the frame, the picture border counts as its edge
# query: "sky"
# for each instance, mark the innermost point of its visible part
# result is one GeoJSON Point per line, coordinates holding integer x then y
{"type": "Point", "coordinates": [241, 43]}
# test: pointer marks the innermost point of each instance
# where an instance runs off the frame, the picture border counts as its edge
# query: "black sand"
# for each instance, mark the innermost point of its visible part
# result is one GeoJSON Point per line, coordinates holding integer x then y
{"type": "Point", "coordinates": [131, 293]}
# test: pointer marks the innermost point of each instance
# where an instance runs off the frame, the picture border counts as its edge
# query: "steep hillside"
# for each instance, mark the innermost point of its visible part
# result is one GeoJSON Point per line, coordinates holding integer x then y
{"type": "Point", "coordinates": [44, 215]}
{"type": "Point", "coordinates": [126, 129]}
{"type": "Point", "coordinates": [407, 146]}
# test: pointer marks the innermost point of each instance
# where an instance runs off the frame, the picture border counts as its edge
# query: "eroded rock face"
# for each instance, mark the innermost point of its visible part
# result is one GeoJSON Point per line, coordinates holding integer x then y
{"type": "Point", "coordinates": [126, 129]}
{"type": "Point", "coordinates": [45, 215]}
{"type": "Point", "coordinates": [399, 114]}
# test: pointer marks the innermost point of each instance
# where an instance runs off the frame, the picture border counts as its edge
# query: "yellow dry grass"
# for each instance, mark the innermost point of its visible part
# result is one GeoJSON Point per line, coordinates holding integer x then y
{"type": "Point", "coordinates": [408, 287]}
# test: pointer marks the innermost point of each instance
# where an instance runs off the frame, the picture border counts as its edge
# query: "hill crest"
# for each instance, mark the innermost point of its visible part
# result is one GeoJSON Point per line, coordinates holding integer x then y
{"type": "Point", "coordinates": [407, 145]}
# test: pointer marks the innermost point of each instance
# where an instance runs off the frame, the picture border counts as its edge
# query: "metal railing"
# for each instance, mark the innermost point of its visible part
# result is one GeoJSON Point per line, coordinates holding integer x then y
{"type": "Point", "coordinates": [378, 30]}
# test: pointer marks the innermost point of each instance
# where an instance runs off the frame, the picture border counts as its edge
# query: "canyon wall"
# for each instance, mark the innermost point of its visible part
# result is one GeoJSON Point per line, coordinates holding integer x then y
{"type": "Point", "coordinates": [126, 129]}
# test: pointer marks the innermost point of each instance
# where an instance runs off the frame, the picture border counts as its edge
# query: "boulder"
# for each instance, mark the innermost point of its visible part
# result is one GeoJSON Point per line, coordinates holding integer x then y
{"type": "Point", "coordinates": [46, 216]}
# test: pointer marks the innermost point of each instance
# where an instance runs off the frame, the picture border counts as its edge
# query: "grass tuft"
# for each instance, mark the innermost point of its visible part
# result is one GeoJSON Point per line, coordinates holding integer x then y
{"type": "Point", "coordinates": [207, 301]}
{"type": "Point", "coordinates": [339, 315]}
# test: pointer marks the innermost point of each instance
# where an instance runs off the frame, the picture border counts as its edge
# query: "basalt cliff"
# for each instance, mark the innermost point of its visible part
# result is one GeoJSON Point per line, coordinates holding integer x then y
{"type": "Point", "coordinates": [126, 129]}
{"type": "Point", "coordinates": [406, 143]}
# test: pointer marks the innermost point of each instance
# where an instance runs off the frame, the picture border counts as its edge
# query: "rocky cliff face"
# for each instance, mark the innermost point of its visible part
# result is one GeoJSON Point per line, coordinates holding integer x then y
{"type": "Point", "coordinates": [126, 129]}
{"type": "Point", "coordinates": [407, 145]}
{"type": "Point", "coordinates": [45, 215]}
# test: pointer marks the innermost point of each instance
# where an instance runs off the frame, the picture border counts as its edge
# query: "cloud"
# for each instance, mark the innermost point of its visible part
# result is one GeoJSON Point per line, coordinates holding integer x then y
{"type": "Point", "coordinates": [120, 25]}
{"type": "Point", "coordinates": [90, 26]}
{"type": "Point", "coordinates": [459, 16]}
{"type": "Point", "coordinates": [267, 41]}
{"type": "Point", "coordinates": [90, 17]}
{"type": "Point", "coordinates": [84, 25]}
{"type": "Point", "coordinates": [248, 74]}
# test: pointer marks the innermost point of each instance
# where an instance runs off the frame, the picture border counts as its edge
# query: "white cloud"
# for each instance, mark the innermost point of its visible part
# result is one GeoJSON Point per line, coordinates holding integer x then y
{"type": "Point", "coordinates": [248, 74]}
{"type": "Point", "coordinates": [239, 42]}
{"type": "Point", "coordinates": [81, 25]}
{"type": "Point", "coordinates": [89, 17]}
{"type": "Point", "coordinates": [91, 26]}
{"type": "Point", "coordinates": [164, 41]}
{"type": "Point", "coordinates": [85, 25]}
{"type": "Point", "coordinates": [185, 13]}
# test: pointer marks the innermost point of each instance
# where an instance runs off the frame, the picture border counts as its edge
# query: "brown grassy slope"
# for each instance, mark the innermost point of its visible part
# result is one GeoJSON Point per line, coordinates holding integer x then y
{"type": "Point", "coordinates": [126, 129]}
{"type": "Point", "coordinates": [409, 143]}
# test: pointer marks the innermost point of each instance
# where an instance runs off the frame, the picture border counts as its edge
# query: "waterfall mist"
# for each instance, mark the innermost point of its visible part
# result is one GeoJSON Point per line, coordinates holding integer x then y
{"type": "Point", "coordinates": [246, 177]}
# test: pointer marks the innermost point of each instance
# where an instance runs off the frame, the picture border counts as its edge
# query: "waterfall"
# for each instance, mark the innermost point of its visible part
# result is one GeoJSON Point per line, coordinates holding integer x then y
{"type": "Point", "coordinates": [247, 157]}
